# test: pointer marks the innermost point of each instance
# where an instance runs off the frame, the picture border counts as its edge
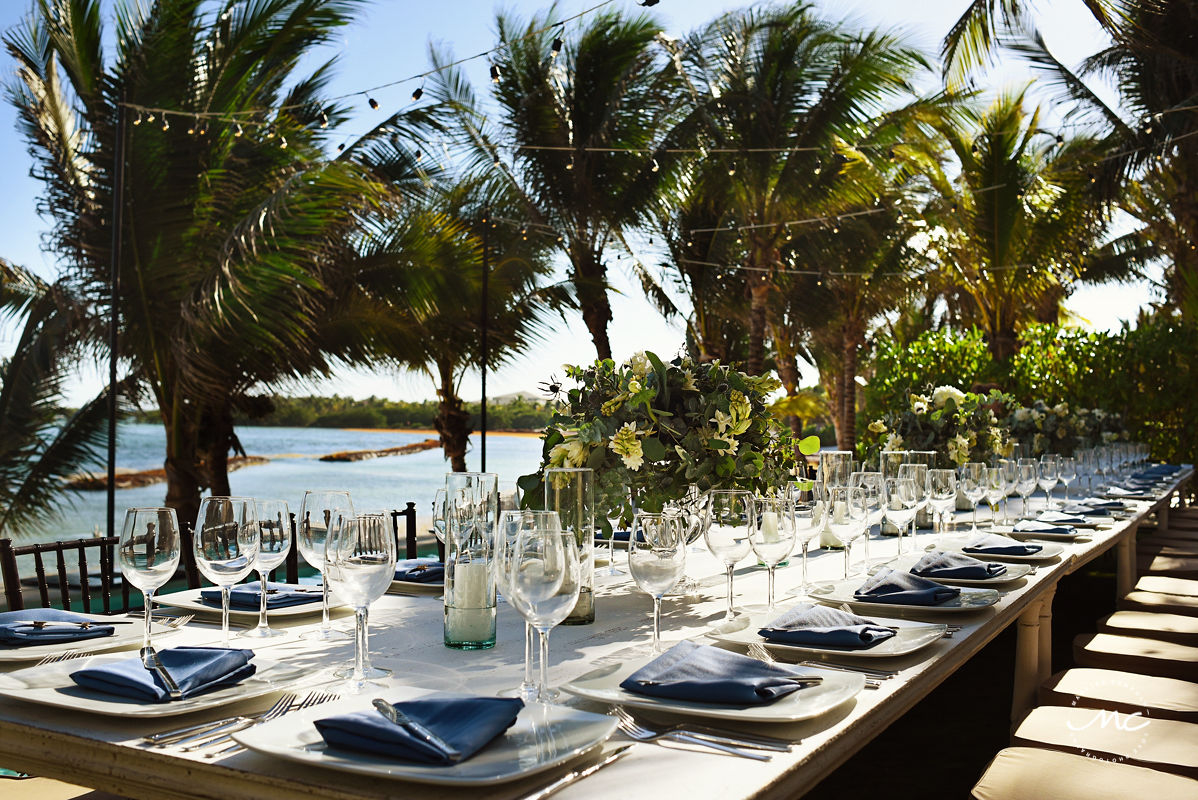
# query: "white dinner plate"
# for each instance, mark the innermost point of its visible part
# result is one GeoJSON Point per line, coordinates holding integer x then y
{"type": "Point", "coordinates": [1014, 572]}
{"type": "Point", "coordinates": [970, 599]}
{"type": "Point", "coordinates": [603, 685]}
{"type": "Point", "coordinates": [192, 601]}
{"type": "Point", "coordinates": [542, 737]}
{"type": "Point", "coordinates": [410, 587]}
{"type": "Point", "coordinates": [953, 544]}
{"type": "Point", "coordinates": [125, 635]}
{"type": "Point", "coordinates": [909, 637]}
{"type": "Point", "coordinates": [1011, 533]}
{"type": "Point", "coordinates": [51, 685]}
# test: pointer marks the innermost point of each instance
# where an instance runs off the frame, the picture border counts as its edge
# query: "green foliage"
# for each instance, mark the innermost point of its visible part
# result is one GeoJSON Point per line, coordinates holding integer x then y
{"type": "Point", "coordinates": [1155, 387]}
{"type": "Point", "coordinates": [959, 426]}
{"type": "Point", "coordinates": [1061, 365]}
{"type": "Point", "coordinates": [937, 358]}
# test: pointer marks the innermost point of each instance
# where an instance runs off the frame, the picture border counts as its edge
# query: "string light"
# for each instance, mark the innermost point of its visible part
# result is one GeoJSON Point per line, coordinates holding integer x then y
{"type": "Point", "coordinates": [495, 73]}
{"type": "Point", "coordinates": [282, 141]}
{"type": "Point", "coordinates": [655, 166]}
{"type": "Point", "coordinates": [416, 95]}
{"type": "Point", "coordinates": [555, 49]}
{"type": "Point", "coordinates": [324, 120]}
{"type": "Point", "coordinates": [166, 123]}
{"type": "Point", "coordinates": [374, 104]}
{"type": "Point", "coordinates": [238, 130]}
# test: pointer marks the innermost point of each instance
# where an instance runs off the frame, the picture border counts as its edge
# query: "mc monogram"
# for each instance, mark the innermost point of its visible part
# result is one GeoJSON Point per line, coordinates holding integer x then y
{"type": "Point", "coordinates": [1123, 722]}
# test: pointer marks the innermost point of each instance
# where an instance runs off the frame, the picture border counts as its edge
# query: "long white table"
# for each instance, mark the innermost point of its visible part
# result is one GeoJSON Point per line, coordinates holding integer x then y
{"type": "Point", "coordinates": [105, 752]}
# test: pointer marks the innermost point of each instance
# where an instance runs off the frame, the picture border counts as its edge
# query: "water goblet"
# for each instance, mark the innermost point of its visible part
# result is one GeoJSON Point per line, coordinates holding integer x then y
{"type": "Point", "coordinates": [225, 545]}
{"type": "Point", "coordinates": [942, 494]}
{"type": "Point", "coordinates": [511, 524]}
{"type": "Point", "coordinates": [148, 553]}
{"type": "Point", "coordinates": [996, 489]}
{"type": "Point", "coordinates": [918, 474]}
{"type": "Point", "coordinates": [973, 485]}
{"type": "Point", "coordinates": [439, 515]}
{"type": "Point", "coordinates": [274, 543]}
{"type": "Point", "coordinates": [1010, 470]}
{"type": "Point", "coordinates": [359, 561]}
{"type": "Point", "coordinates": [1026, 475]}
{"type": "Point", "coordinates": [320, 513]}
{"type": "Point", "coordinates": [809, 512]}
{"type": "Point", "coordinates": [902, 504]}
{"type": "Point", "coordinates": [847, 514]}
{"type": "Point", "coordinates": [875, 504]}
{"type": "Point", "coordinates": [772, 535]}
{"type": "Point", "coordinates": [691, 509]}
{"type": "Point", "coordinates": [657, 559]}
{"type": "Point", "coordinates": [1066, 473]}
{"type": "Point", "coordinates": [1047, 476]}
{"type": "Point", "coordinates": [615, 518]}
{"type": "Point", "coordinates": [727, 533]}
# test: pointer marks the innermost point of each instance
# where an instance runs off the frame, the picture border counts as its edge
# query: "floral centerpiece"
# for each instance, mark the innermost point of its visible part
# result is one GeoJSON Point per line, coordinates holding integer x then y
{"type": "Point", "coordinates": [1042, 428]}
{"type": "Point", "coordinates": [649, 429]}
{"type": "Point", "coordinates": [960, 426]}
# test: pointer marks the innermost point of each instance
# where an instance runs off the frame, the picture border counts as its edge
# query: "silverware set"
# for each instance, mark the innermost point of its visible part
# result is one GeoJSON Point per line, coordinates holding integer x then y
{"type": "Point", "coordinates": [728, 742]}
{"type": "Point", "coordinates": [873, 677]}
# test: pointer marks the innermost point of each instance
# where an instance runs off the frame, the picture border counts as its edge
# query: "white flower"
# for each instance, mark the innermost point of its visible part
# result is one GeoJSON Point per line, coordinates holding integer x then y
{"type": "Point", "coordinates": [1022, 414]}
{"type": "Point", "coordinates": [877, 426]}
{"type": "Point", "coordinates": [958, 449]}
{"type": "Point", "coordinates": [639, 364]}
{"type": "Point", "coordinates": [1060, 409]}
{"type": "Point", "coordinates": [919, 404]}
{"type": "Point", "coordinates": [893, 442]}
{"type": "Point", "coordinates": [943, 394]}
{"type": "Point", "coordinates": [627, 446]}
{"type": "Point", "coordinates": [688, 381]}
{"type": "Point", "coordinates": [634, 386]}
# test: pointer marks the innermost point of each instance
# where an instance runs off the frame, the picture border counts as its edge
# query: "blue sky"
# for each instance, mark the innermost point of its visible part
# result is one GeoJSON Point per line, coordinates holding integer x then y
{"type": "Point", "coordinates": [389, 42]}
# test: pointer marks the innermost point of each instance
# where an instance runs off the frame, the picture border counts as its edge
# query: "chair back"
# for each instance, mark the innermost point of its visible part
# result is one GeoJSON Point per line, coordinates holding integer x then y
{"type": "Point", "coordinates": [408, 543]}
{"type": "Point", "coordinates": [54, 586]}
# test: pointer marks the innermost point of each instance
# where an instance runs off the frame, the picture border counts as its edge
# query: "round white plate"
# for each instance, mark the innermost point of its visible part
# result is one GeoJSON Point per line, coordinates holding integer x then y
{"type": "Point", "coordinates": [129, 635]}
{"type": "Point", "coordinates": [1048, 550]}
{"type": "Point", "coordinates": [1014, 572]}
{"type": "Point", "coordinates": [542, 737]}
{"type": "Point", "coordinates": [970, 599]}
{"type": "Point", "coordinates": [909, 637]}
{"type": "Point", "coordinates": [192, 601]}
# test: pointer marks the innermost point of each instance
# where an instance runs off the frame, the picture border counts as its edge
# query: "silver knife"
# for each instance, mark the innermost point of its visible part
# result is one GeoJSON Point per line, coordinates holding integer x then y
{"type": "Point", "coordinates": [577, 775]}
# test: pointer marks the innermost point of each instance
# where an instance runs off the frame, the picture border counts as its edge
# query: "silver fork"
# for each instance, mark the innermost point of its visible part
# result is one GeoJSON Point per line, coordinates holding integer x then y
{"type": "Point", "coordinates": [178, 622]}
{"type": "Point", "coordinates": [730, 738]}
{"type": "Point", "coordinates": [54, 658]}
{"type": "Point", "coordinates": [313, 699]}
{"type": "Point", "coordinates": [758, 651]}
{"type": "Point", "coordinates": [184, 735]}
{"type": "Point", "coordinates": [635, 731]}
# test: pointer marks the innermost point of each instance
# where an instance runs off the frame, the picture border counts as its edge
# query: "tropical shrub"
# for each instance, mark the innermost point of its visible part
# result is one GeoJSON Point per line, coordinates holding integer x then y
{"type": "Point", "coordinates": [959, 426]}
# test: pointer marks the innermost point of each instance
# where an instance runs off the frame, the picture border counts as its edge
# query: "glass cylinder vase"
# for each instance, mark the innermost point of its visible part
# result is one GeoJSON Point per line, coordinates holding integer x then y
{"type": "Point", "coordinates": [571, 493]}
{"type": "Point", "coordinates": [928, 458]}
{"type": "Point", "coordinates": [888, 464]}
{"type": "Point", "coordinates": [471, 516]}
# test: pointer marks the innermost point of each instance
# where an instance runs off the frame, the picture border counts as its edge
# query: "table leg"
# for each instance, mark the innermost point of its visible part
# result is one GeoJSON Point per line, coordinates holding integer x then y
{"type": "Point", "coordinates": [1027, 662]}
{"type": "Point", "coordinates": [1044, 647]}
{"type": "Point", "coordinates": [1125, 553]}
{"type": "Point", "coordinates": [1162, 514]}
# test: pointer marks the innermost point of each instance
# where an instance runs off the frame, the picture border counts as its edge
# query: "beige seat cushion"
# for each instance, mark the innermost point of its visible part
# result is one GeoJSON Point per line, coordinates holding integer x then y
{"type": "Point", "coordinates": [1173, 566]}
{"type": "Point", "coordinates": [1160, 547]}
{"type": "Point", "coordinates": [1166, 585]}
{"type": "Point", "coordinates": [1163, 744]}
{"type": "Point", "coordinates": [1136, 654]}
{"type": "Point", "coordinates": [1028, 773]}
{"type": "Point", "coordinates": [1177, 628]}
{"type": "Point", "coordinates": [1155, 601]}
{"type": "Point", "coordinates": [1152, 696]}
{"type": "Point", "coordinates": [47, 789]}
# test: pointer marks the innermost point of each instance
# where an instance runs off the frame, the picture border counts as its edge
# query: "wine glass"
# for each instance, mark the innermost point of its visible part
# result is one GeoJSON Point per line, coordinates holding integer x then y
{"type": "Point", "coordinates": [359, 559]}
{"type": "Point", "coordinates": [942, 493]}
{"type": "Point", "coordinates": [1066, 473]}
{"type": "Point", "coordinates": [1026, 474]}
{"type": "Point", "coordinates": [148, 552]}
{"type": "Point", "coordinates": [614, 520]}
{"type": "Point", "coordinates": [996, 489]}
{"type": "Point", "coordinates": [847, 514]}
{"type": "Point", "coordinates": [727, 533]}
{"type": "Point", "coordinates": [772, 534]}
{"type": "Point", "coordinates": [902, 503]}
{"type": "Point", "coordinates": [544, 578]}
{"type": "Point", "coordinates": [918, 473]}
{"type": "Point", "coordinates": [657, 559]}
{"type": "Point", "coordinates": [691, 509]}
{"type": "Point", "coordinates": [973, 485]}
{"type": "Point", "coordinates": [274, 543]}
{"type": "Point", "coordinates": [511, 524]}
{"type": "Point", "coordinates": [875, 503]}
{"type": "Point", "coordinates": [225, 544]}
{"type": "Point", "coordinates": [439, 515]}
{"type": "Point", "coordinates": [321, 512]}
{"type": "Point", "coordinates": [809, 512]}
{"type": "Point", "coordinates": [1010, 470]}
{"type": "Point", "coordinates": [1047, 477]}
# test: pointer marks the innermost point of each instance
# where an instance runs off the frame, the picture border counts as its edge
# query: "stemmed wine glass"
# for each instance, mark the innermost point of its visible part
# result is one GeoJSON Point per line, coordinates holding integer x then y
{"type": "Point", "coordinates": [274, 543]}
{"type": "Point", "coordinates": [225, 544]}
{"type": "Point", "coordinates": [942, 494]}
{"type": "Point", "coordinates": [996, 489]}
{"type": "Point", "coordinates": [973, 484]}
{"type": "Point", "coordinates": [727, 533]}
{"type": "Point", "coordinates": [439, 515]}
{"type": "Point", "coordinates": [847, 514]}
{"type": "Point", "coordinates": [657, 559]}
{"type": "Point", "coordinates": [1026, 475]}
{"type": "Point", "coordinates": [544, 579]}
{"type": "Point", "coordinates": [1047, 477]}
{"type": "Point", "coordinates": [1010, 471]}
{"type": "Point", "coordinates": [511, 524]}
{"type": "Point", "coordinates": [148, 552]}
{"type": "Point", "coordinates": [809, 514]}
{"type": "Point", "coordinates": [691, 509]}
{"type": "Point", "coordinates": [359, 558]}
{"type": "Point", "coordinates": [772, 534]}
{"type": "Point", "coordinates": [875, 504]}
{"type": "Point", "coordinates": [320, 513]}
{"type": "Point", "coordinates": [614, 519]}
{"type": "Point", "coordinates": [917, 473]}
{"type": "Point", "coordinates": [902, 504]}
{"type": "Point", "coordinates": [1066, 473]}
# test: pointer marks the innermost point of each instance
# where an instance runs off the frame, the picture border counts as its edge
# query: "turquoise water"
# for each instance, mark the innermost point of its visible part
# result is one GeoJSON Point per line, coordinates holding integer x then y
{"type": "Point", "coordinates": [380, 483]}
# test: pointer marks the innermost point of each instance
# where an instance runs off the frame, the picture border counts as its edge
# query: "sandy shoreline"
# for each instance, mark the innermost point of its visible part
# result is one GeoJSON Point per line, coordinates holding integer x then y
{"type": "Point", "coordinates": [429, 432]}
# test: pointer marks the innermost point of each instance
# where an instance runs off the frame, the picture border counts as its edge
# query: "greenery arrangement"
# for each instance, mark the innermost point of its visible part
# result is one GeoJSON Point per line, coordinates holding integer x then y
{"type": "Point", "coordinates": [960, 426]}
{"type": "Point", "coordinates": [649, 429]}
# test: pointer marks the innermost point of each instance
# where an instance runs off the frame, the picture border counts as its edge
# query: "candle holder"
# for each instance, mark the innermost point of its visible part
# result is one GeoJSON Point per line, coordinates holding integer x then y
{"type": "Point", "coordinates": [571, 493]}
{"type": "Point", "coordinates": [471, 514]}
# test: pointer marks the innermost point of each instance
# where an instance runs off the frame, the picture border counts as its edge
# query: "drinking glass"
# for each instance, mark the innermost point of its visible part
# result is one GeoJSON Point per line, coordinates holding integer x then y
{"type": "Point", "coordinates": [973, 485]}
{"type": "Point", "coordinates": [875, 503]}
{"type": "Point", "coordinates": [1066, 473]}
{"type": "Point", "coordinates": [1026, 474]}
{"type": "Point", "coordinates": [225, 544]}
{"type": "Point", "coordinates": [1010, 470]}
{"type": "Point", "coordinates": [918, 473]}
{"type": "Point", "coordinates": [544, 580]}
{"type": "Point", "coordinates": [809, 512]}
{"type": "Point", "coordinates": [657, 559]}
{"type": "Point", "coordinates": [511, 524]}
{"type": "Point", "coordinates": [274, 543]}
{"type": "Point", "coordinates": [691, 509]}
{"type": "Point", "coordinates": [889, 463]}
{"type": "Point", "coordinates": [148, 552]}
{"type": "Point", "coordinates": [996, 490]}
{"type": "Point", "coordinates": [439, 515]}
{"type": "Point", "coordinates": [1047, 477]}
{"type": "Point", "coordinates": [772, 534]}
{"type": "Point", "coordinates": [571, 493]}
{"type": "Point", "coordinates": [902, 503]}
{"type": "Point", "coordinates": [942, 494]}
{"type": "Point", "coordinates": [360, 562]}
{"type": "Point", "coordinates": [614, 520]}
{"type": "Point", "coordinates": [472, 512]}
{"type": "Point", "coordinates": [320, 512]}
{"type": "Point", "coordinates": [727, 533]}
{"type": "Point", "coordinates": [847, 513]}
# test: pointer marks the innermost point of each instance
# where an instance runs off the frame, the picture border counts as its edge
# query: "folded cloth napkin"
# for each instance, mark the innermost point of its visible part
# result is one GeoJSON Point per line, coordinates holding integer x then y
{"type": "Point", "coordinates": [891, 586]}
{"type": "Point", "coordinates": [1061, 518]}
{"type": "Point", "coordinates": [248, 596]}
{"type": "Point", "coordinates": [1098, 502]}
{"type": "Point", "coordinates": [704, 674]}
{"type": "Point", "coordinates": [420, 570]}
{"type": "Point", "coordinates": [821, 626]}
{"type": "Point", "coordinates": [1119, 491]}
{"type": "Point", "coordinates": [12, 633]}
{"type": "Point", "coordinates": [619, 536]}
{"type": "Point", "coordinates": [938, 564]}
{"type": "Point", "coordinates": [995, 545]}
{"type": "Point", "coordinates": [1036, 526]}
{"type": "Point", "coordinates": [467, 724]}
{"type": "Point", "coordinates": [196, 670]}
{"type": "Point", "coordinates": [1079, 510]}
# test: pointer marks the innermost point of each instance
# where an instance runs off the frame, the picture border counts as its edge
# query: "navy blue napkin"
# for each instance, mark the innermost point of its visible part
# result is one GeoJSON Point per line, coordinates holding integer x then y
{"type": "Point", "coordinates": [619, 536]}
{"type": "Point", "coordinates": [17, 635]}
{"type": "Point", "coordinates": [420, 570]}
{"type": "Point", "coordinates": [248, 596]}
{"type": "Point", "coordinates": [467, 724]}
{"type": "Point", "coordinates": [890, 586]}
{"type": "Point", "coordinates": [1097, 502]}
{"type": "Point", "coordinates": [705, 674]}
{"type": "Point", "coordinates": [994, 545]}
{"type": "Point", "coordinates": [1061, 518]}
{"type": "Point", "coordinates": [1036, 526]}
{"type": "Point", "coordinates": [937, 564]}
{"type": "Point", "coordinates": [196, 670]}
{"type": "Point", "coordinates": [1079, 510]}
{"type": "Point", "coordinates": [820, 626]}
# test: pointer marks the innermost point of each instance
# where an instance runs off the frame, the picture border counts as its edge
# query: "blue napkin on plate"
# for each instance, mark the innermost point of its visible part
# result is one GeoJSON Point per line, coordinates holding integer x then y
{"type": "Point", "coordinates": [1079, 510]}
{"type": "Point", "coordinates": [821, 626]}
{"type": "Point", "coordinates": [891, 586]}
{"type": "Point", "coordinates": [938, 564]}
{"type": "Point", "coordinates": [197, 670]}
{"type": "Point", "coordinates": [1061, 518]}
{"type": "Point", "coordinates": [1036, 526]}
{"type": "Point", "coordinates": [467, 724]}
{"type": "Point", "coordinates": [420, 570]}
{"type": "Point", "coordinates": [1098, 502]}
{"type": "Point", "coordinates": [1134, 494]}
{"type": "Point", "coordinates": [995, 545]}
{"type": "Point", "coordinates": [17, 635]}
{"type": "Point", "coordinates": [619, 536]}
{"type": "Point", "coordinates": [705, 674]}
{"type": "Point", "coordinates": [248, 596]}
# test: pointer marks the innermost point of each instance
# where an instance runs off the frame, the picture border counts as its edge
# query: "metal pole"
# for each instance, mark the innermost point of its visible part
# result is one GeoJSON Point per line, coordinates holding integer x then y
{"type": "Point", "coordinates": [482, 438]}
{"type": "Point", "coordinates": [114, 283]}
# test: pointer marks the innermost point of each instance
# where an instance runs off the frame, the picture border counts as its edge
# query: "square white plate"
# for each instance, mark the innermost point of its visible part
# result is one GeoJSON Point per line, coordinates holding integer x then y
{"type": "Point", "coordinates": [542, 737]}
{"type": "Point", "coordinates": [1014, 572]}
{"type": "Point", "coordinates": [122, 636]}
{"type": "Point", "coordinates": [953, 544]}
{"type": "Point", "coordinates": [51, 685]}
{"type": "Point", "coordinates": [909, 637]}
{"type": "Point", "coordinates": [970, 599]}
{"type": "Point", "coordinates": [192, 601]}
{"type": "Point", "coordinates": [1011, 533]}
{"type": "Point", "coordinates": [603, 685]}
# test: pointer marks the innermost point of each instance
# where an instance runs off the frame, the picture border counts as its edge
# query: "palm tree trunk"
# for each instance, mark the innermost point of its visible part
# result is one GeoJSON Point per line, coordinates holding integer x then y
{"type": "Point", "coordinates": [846, 434]}
{"type": "Point", "coordinates": [452, 420]}
{"type": "Point", "coordinates": [218, 432]}
{"type": "Point", "coordinates": [759, 292]}
{"type": "Point", "coordinates": [591, 286]}
{"type": "Point", "coordinates": [788, 373]}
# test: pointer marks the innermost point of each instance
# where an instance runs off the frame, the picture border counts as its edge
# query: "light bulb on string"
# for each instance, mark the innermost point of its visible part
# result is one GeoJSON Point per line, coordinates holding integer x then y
{"type": "Point", "coordinates": [324, 120]}
{"type": "Point", "coordinates": [138, 120]}
{"type": "Point", "coordinates": [419, 155]}
{"type": "Point", "coordinates": [416, 95]}
{"type": "Point", "coordinates": [238, 130]}
{"type": "Point", "coordinates": [150, 117]}
{"type": "Point", "coordinates": [374, 104]}
{"type": "Point", "coordinates": [341, 147]}
{"type": "Point", "coordinates": [655, 166]}
{"type": "Point", "coordinates": [191, 129]}
{"type": "Point", "coordinates": [282, 141]}
{"type": "Point", "coordinates": [495, 73]}
{"type": "Point", "coordinates": [555, 49]}
{"type": "Point", "coordinates": [166, 124]}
